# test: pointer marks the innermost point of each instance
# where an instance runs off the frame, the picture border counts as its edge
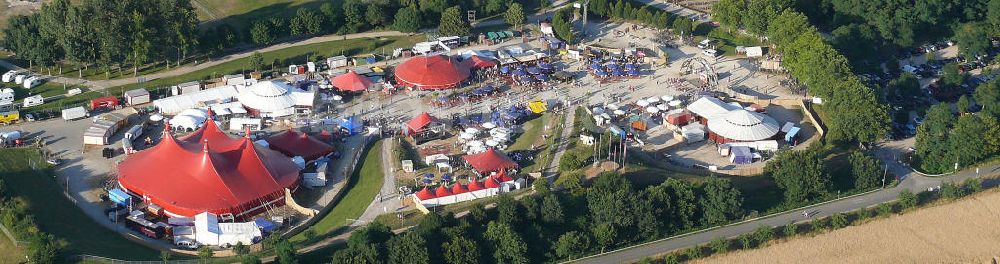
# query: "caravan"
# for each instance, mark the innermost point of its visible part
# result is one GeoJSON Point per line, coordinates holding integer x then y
{"type": "Point", "coordinates": [6, 96]}
{"type": "Point", "coordinates": [9, 76]}
{"type": "Point", "coordinates": [33, 100]}
{"type": "Point", "coordinates": [19, 79]}
{"type": "Point", "coordinates": [32, 82]}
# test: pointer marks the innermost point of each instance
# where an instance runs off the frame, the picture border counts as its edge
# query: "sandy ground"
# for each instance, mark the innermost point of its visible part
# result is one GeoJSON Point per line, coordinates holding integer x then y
{"type": "Point", "coordinates": [959, 232]}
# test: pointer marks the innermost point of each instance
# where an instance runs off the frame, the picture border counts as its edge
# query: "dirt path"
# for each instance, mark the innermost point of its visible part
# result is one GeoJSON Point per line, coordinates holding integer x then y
{"type": "Point", "coordinates": [958, 232]}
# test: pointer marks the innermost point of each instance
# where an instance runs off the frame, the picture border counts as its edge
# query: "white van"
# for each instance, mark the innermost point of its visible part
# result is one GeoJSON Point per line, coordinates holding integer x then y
{"type": "Point", "coordinates": [711, 53]}
{"type": "Point", "coordinates": [9, 76]}
{"type": "Point", "coordinates": [19, 79]}
{"type": "Point", "coordinates": [706, 43]}
{"type": "Point", "coordinates": [32, 82]}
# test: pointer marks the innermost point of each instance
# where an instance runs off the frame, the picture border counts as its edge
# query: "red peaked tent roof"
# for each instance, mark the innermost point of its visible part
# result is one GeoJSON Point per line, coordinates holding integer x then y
{"type": "Point", "coordinates": [489, 161]}
{"type": "Point", "coordinates": [293, 143]}
{"type": "Point", "coordinates": [442, 191]}
{"type": "Point", "coordinates": [502, 177]}
{"type": "Point", "coordinates": [425, 194]}
{"type": "Point", "coordinates": [431, 72]}
{"type": "Point", "coordinates": [458, 188]}
{"type": "Point", "coordinates": [492, 183]}
{"type": "Point", "coordinates": [420, 121]}
{"type": "Point", "coordinates": [475, 186]}
{"type": "Point", "coordinates": [351, 81]}
{"type": "Point", "coordinates": [476, 62]}
{"type": "Point", "coordinates": [221, 175]}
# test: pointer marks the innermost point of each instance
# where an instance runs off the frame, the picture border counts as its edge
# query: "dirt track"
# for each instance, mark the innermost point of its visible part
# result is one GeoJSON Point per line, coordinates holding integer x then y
{"type": "Point", "coordinates": [958, 232]}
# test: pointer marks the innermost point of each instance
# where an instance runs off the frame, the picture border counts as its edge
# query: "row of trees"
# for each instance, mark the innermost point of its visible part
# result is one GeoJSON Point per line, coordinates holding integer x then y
{"type": "Point", "coordinates": [106, 32]}
{"type": "Point", "coordinates": [853, 109]}
{"type": "Point", "coordinates": [634, 11]}
{"type": "Point", "coordinates": [557, 226]}
{"type": "Point", "coordinates": [945, 142]}
{"type": "Point", "coordinates": [805, 178]}
{"type": "Point", "coordinates": [16, 217]}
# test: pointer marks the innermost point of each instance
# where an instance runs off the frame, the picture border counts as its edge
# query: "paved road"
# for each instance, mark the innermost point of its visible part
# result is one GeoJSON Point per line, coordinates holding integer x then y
{"type": "Point", "coordinates": [886, 152]}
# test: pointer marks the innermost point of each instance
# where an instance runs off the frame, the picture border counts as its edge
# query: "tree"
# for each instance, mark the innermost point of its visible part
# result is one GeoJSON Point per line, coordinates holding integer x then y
{"type": "Point", "coordinates": [684, 25]}
{"type": "Point", "coordinates": [311, 21]}
{"type": "Point", "coordinates": [257, 61]}
{"type": "Point", "coordinates": [907, 85]}
{"type": "Point", "coordinates": [570, 180]}
{"type": "Point", "coordinates": [165, 255]}
{"type": "Point", "coordinates": [460, 250]}
{"type": "Point", "coordinates": [374, 233]}
{"type": "Point", "coordinates": [677, 203]}
{"type": "Point", "coordinates": [495, 6]}
{"type": "Point", "coordinates": [763, 234]}
{"type": "Point", "coordinates": [932, 148]}
{"type": "Point", "coordinates": [260, 33]}
{"type": "Point", "coordinates": [952, 77]}
{"type": "Point", "coordinates": [988, 96]}
{"type": "Point", "coordinates": [332, 14]}
{"type": "Point", "coordinates": [790, 229]}
{"type": "Point", "coordinates": [240, 248]}
{"type": "Point", "coordinates": [562, 26]}
{"type": "Point", "coordinates": [605, 235]}
{"type": "Point", "coordinates": [432, 9]}
{"type": "Point", "coordinates": [993, 15]}
{"type": "Point", "coordinates": [607, 200]}
{"type": "Point", "coordinates": [452, 23]}
{"type": "Point", "coordinates": [858, 42]}
{"type": "Point", "coordinates": [963, 104]}
{"type": "Point", "coordinates": [951, 191]}
{"type": "Point", "coordinates": [907, 199]}
{"type": "Point", "coordinates": [800, 175]}
{"type": "Point", "coordinates": [250, 259]}
{"type": "Point", "coordinates": [973, 139]}
{"type": "Point", "coordinates": [141, 43]}
{"type": "Point", "coordinates": [507, 210]}
{"type": "Point", "coordinates": [357, 254]}
{"type": "Point", "coordinates": [354, 15]}
{"type": "Point", "coordinates": [541, 187]}
{"type": "Point", "coordinates": [972, 39]}
{"type": "Point", "coordinates": [866, 171]}
{"type": "Point", "coordinates": [786, 27]}
{"type": "Point", "coordinates": [572, 244]}
{"type": "Point", "coordinates": [719, 245]}
{"type": "Point", "coordinates": [552, 211]}
{"type": "Point", "coordinates": [570, 161]}
{"type": "Point", "coordinates": [729, 12]}
{"type": "Point", "coordinates": [409, 248]}
{"type": "Point", "coordinates": [285, 252]}
{"type": "Point", "coordinates": [205, 252]}
{"type": "Point", "coordinates": [508, 246]}
{"type": "Point", "coordinates": [43, 248]}
{"type": "Point", "coordinates": [514, 15]}
{"type": "Point", "coordinates": [720, 201]}
{"type": "Point", "coordinates": [407, 20]}
{"type": "Point", "coordinates": [375, 15]}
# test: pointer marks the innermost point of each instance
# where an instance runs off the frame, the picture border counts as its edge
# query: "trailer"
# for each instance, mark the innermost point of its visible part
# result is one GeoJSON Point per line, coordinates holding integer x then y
{"type": "Point", "coordinates": [9, 116]}
{"type": "Point", "coordinates": [183, 88]}
{"type": "Point", "coordinates": [134, 132]}
{"type": "Point", "coordinates": [19, 78]}
{"type": "Point", "coordinates": [108, 102]}
{"type": "Point", "coordinates": [32, 82]}
{"type": "Point", "coordinates": [74, 113]}
{"type": "Point", "coordinates": [136, 97]}
{"type": "Point", "coordinates": [33, 100]}
{"type": "Point", "coordinates": [8, 76]}
{"type": "Point", "coordinates": [6, 96]}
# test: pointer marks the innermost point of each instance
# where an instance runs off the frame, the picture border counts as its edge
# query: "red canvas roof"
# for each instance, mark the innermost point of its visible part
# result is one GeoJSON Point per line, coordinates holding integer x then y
{"type": "Point", "coordinates": [502, 177]}
{"type": "Point", "coordinates": [458, 188]}
{"type": "Point", "coordinates": [425, 194]}
{"type": "Point", "coordinates": [192, 175]}
{"type": "Point", "coordinates": [492, 183]}
{"type": "Point", "coordinates": [351, 81]}
{"type": "Point", "coordinates": [442, 191]}
{"type": "Point", "coordinates": [475, 186]}
{"type": "Point", "coordinates": [489, 161]}
{"type": "Point", "coordinates": [420, 121]}
{"type": "Point", "coordinates": [476, 62]}
{"type": "Point", "coordinates": [293, 143]}
{"type": "Point", "coordinates": [431, 72]}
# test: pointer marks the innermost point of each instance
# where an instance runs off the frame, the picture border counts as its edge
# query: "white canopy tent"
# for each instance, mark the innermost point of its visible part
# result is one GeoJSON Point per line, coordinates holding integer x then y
{"type": "Point", "coordinates": [743, 125]}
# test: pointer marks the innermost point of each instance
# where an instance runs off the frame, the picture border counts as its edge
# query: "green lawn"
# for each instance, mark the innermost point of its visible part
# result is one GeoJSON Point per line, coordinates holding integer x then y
{"type": "Point", "coordinates": [56, 215]}
{"type": "Point", "coordinates": [532, 131]}
{"type": "Point", "coordinates": [240, 13]}
{"type": "Point", "coordinates": [360, 190]}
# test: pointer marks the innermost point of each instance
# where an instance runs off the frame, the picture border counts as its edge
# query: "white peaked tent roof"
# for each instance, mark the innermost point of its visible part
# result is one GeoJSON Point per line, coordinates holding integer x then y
{"type": "Point", "coordinates": [268, 96]}
{"type": "Point", "coordinates": [743, 125]}
{"type": "Point", "coordinates": [710, 107]}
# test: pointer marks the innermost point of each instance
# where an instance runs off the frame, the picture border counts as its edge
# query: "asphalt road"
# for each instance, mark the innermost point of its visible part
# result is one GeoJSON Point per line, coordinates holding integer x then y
{"type": "Point", "coordinates": [886, 152]}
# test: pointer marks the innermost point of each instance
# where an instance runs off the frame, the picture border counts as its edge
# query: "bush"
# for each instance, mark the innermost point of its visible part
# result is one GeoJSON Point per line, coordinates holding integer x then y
{"type": "Point", "coordinates": [570, 161]}
{"type": "Point", "coordinates": [973, 185]}
{"type": "Point", "coordinates": [671, 259]}
{"type": "Point", "coordinates": [950, 191]}
{"type": "Point", "coordinates": [746, 241]}
{"type": "Point", "coordinates": [838, 220]}
{"type": "Point", "coordinates": [763, 234]}
{"type": "Point", "coordinates": [790, 229]}
{"type": "Point", "coordinates": [884, 209]}
{"type": "Point", "coordinates": [907, 199]}
{"type": "Point", "coordinates": [863, 214]}
{"type": "Point", "coordinates": [693, 252]}
{"type": "Point", "coordinates": [719, 245]}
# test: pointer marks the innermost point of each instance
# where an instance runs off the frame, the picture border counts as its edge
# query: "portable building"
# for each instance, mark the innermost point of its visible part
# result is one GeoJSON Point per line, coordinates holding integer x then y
{"type": "Point", "coordinates": [136, 97]}
{"type": "Point", "coordinates": [7, 96]}
{"type": "Point", "coordinates": [74, 113]}
{"type": "Point", "coordinates": [336, 62]}
{"type": "Point", "coordinates": [239, 123]}
{"type": "Point", "coordinates": [188, 87]}
{"type": "Point", "coordinates": [134, 132]}
{"type": "Point", "coordinates": [119, 197]}
{"type": "Point", "coordinates": [208, 231]}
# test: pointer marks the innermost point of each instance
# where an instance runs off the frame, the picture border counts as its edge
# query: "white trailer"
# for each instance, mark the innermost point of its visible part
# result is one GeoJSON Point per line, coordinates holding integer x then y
{"type": "Point", "coordinates": [6, 96]}
{"type": "Point", "coordinates": [74, 113]}
{"type": "Point", "coordinates": [33, 100]}
{"type": "Point", "coordinates": [134, 132]}
{"type": "Point", "coordinates": [136, 97]}
{"type": "Point", "coordinates": [8, 76]}
{"type": "Point", "coordinates": [336, 62]}
{"type": "Point", "coordinates": [32, 82]}
{"type": "Point", "coordinates": [19, 79]}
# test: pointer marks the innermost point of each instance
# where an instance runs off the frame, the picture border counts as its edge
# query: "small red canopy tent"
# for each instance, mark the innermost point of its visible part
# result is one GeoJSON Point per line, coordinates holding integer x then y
{"type": "Point", "coordinates": [442, 191]}
{"type": "Point", "coordinates": [425, 194]}
{"type": "Point", "coordinates": [475, 186]}
{"type": "Point", "coordinates": [351, 82]}
{"type": "Point", "coordinates": [476, 62]}
{"type": "Point", "coordinates": [459, 189]}
{"type": "Point", "coordinates": [419, 122]}
{"type": "Point", "coordinates": [492, 183]}
{"type": "Point", "coordinates": [489, 161]}
{"type": "Point", "coordinates": [293, 143]}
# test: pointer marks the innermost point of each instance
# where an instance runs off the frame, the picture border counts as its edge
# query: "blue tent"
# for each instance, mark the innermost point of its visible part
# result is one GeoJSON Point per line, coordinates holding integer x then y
{"type": "Point", "coordinates": [740, 155]}
{"type": "Point", "coordinates": [613, 66]}
{"type": "Point", "coordinates": [353, 125]}
{"type": "Point", "coordinates": [526, 79]}
{"type": "Point", "coordinates": [792, 135]}
{"type": "Point", "coordinates": [618, 72]}
{"type": "Point", "coordinates": [371, 60]}
{"type": "Point", "coordinates": [545, 65]}
{"type": "Point", "coordinates": [633, 72]}
{"type": "Point", "coordinates": [429, 175]}
{"type": "Point", "coordinates": [630, 66]}
{"type": "Point", "coordinates": [264, 225]}
{"type": "Point", "coordinates": [596, 66]}
{"type": "Point", "coordinates": [488, 88]}
{"type": "Point", "coordinates": [601, 73]}
{"type": "Point", "coordinates": [534, 70]}
{"type": "Point", "coordinates": [519, 71]}
{"type": "Point", "coordinates": [542, 77]}
{"type": "Point", "coordinates": [505, 69]}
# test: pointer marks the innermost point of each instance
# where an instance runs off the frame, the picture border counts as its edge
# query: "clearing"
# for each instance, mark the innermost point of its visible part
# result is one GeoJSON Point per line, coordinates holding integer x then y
{"type": "Point", "coordinates": [962, 231]}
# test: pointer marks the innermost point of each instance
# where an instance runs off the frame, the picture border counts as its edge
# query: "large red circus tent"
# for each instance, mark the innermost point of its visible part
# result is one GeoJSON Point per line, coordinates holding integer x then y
{"type": "Point", "coordinates": [351, 82]}
{"type": "Point", "coordinates": [208, 171]}
{"type": "Point", "coordinates": [431, 72]}
{"type": "Point", "coordinates": [476, 62]}
{"type": "Point", "coordinates": [489, 161]}
{"type": "Point", "coordinates": [293, 143]}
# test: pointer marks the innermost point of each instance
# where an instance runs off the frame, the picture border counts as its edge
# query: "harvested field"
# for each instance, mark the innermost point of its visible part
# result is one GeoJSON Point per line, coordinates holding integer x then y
{"type": "Point", "coordinates": [962, 231]}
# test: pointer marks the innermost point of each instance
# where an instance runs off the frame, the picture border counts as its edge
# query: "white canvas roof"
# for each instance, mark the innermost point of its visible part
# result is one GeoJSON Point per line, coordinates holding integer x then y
{"type": "Point", "coordinates": [269, 96]}
{"type": "Point", "coordinates": [710, 107]}
{"type": "Point", "coordinates": [743, 125]}
{"type": "Point", "coordinates": [175, 104]}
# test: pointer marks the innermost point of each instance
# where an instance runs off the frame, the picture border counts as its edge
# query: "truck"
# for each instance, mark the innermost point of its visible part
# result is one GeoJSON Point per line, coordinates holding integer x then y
{"type": "Point", "coordinates": [109, 102]}
{"type": "Point", "coordinates": [74, 113]}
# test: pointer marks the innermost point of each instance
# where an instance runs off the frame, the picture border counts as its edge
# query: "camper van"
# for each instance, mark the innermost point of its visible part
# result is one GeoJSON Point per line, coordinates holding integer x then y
{"type": "Point", "coordinates": [33, 100]}
{"type": "Point", "coordinates": [32, 82]}
{"type": "Point", "coordinates": [19, 79]}
{"type": "Point", "coordinates": [9, 76]}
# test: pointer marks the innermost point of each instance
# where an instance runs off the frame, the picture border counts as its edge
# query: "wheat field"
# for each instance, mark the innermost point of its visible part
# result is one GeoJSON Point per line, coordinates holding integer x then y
{"type": "Point", "coordinates": [963, 231]}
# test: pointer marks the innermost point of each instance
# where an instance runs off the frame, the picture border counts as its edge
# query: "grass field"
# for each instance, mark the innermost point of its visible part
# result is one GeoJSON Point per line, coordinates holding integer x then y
{"type": "Point", "coordinates": [956, 232]}
{"type": "Point", "coordinates": [56, 215]}
{"type": "Point", "coordinates": [240, 13]}
{"type": "Point", "coordinates": [360, 191]}
{"type": "Point", "coordinates": [8, 252]}
{"type": "Point", "coordinates": [532, 132]}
